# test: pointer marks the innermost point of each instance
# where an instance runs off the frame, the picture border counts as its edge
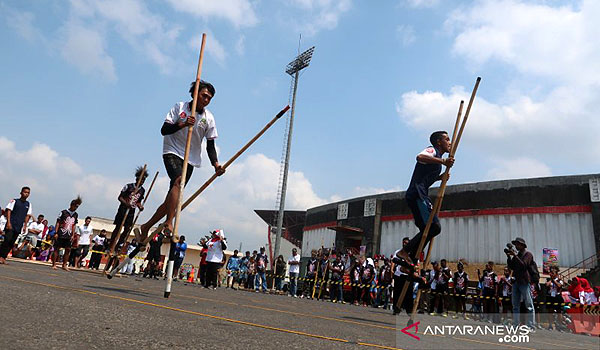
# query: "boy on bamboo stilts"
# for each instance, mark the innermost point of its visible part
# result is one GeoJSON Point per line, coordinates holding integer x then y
{"type": "Point", "coordinates": [427, 171]}
{"type": "Point", "coordinates": [130, 199]}
{"type": "Point", "coordinates": [174, 130]}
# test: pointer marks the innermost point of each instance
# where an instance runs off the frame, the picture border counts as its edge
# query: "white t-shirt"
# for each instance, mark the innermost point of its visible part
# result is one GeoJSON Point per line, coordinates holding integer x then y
{"type": "Point", "coordinates": [296, 267]}
{"type": "Point", "coordinates": [35, 226]}
{"type": "Point", "coordinates": [215, 252]}
{"type": "Point", "coordinates": [2, 222]}
{"type": "Point", "coordinates": [205, 127]}
{"type": "Point", "coordinates": [84, 233]}
{"type": "Point", "coordinates": [397, 271]}
{"type": "Point", "coordinates": [99, 240]}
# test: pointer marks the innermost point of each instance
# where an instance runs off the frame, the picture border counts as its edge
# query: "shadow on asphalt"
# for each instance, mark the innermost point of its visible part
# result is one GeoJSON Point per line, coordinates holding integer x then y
{"type": "Point", "coordinates": [368, 320]}
{"type": "Point", "coordinates": [121, 290]}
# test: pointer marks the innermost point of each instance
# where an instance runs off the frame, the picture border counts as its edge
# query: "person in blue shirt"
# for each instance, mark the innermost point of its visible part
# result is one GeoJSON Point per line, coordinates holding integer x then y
{"type": "Point", "coordinates": [180, 248]}
{"type": "Point", "coordinates": [233, 269]}
{"type": "Point", "coordinates": [427, 171]}
{"type": "Point", "coordinates": [18, 213]}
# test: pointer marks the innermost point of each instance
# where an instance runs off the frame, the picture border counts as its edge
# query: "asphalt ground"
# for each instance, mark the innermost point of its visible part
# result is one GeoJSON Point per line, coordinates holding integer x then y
{"type": "Point", "coordinates": [46, 309]}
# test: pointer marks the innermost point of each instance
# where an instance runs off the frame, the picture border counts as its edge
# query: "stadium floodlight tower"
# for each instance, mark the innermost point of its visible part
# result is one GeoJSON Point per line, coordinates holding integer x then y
{"type": "Point", "coordinates": [293, 68]}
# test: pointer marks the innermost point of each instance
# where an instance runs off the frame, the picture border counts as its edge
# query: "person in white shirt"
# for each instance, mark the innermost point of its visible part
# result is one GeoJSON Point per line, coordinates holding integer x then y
{"type": "Point", "coordinates": [2, 222]}
{"type": "Point", "coordinates": [35, 229]}
{"type": "Point", "coordinates": [175, 130]}
{"type": "Point", "coordinates": [214, 257]}
{"type": "Point", "coordinates": [294, 262]}
{"type": "Point", "coordinates": [83, 248]}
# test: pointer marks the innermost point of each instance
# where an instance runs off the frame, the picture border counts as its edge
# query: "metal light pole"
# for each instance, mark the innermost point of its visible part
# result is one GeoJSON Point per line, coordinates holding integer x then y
{"type": "Point", "coordinates": [293, 68]}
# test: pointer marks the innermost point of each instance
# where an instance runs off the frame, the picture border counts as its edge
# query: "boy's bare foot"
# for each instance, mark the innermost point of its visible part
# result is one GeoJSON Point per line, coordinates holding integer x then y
{"type": "Point", "coordinates": [54, 268]}
{"type": "Point", "coordinates": [2, 261]}
{"type": "Point", "coordinates": [65, 268]}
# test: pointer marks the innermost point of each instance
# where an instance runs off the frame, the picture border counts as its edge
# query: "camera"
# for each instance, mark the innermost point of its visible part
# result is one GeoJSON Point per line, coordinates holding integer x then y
{"type": "Point", "coordinates": [510, 248]}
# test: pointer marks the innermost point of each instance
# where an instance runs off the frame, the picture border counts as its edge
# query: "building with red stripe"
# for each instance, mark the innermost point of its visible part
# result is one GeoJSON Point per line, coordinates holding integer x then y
{"type": "Point", "coordinates": [477, 220]}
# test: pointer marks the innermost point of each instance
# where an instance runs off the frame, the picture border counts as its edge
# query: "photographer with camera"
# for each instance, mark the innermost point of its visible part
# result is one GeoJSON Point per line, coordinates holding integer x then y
{"type": "Point", "coordinates": [525, 272]}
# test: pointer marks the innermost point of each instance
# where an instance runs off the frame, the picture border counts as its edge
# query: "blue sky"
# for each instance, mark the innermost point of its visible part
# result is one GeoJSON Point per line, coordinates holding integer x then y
{"type": "Point", "coordinates": [86, 86]}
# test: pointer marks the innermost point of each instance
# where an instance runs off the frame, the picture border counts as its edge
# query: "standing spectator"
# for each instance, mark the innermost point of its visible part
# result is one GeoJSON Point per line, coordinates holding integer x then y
{"type": "Point", "coordinates": [554, 287]}
{"type": "Point", "coordinates": [384, 282]}
{"type": "Point", "coordinates": [294, 262]}
{"type": "Point", "coordinates": [400, 277]}
{"type": "Point", "coordinates": [51, 233]}
{"type": "Point", "coordinates": [243, 278]}
{"type": "Point", "coordinates": [521, 263]}
{"type": "Point", "coordinates": [35, 229]}
{"type": "Point", "coordinates": [323, 275]}
{"type": "Point", "coordinates": [180, 248]}
{"type": "Point", "coordinates": [367, 276]}
{"type": "Point", "coordinates": [97, 250]}
{"type": "Point", "coordinates": [261, 266]}
{"type": "Point", "coordinates": [441, 289]}
{"type": "Point", "coordinates": [83, 248]}
{"type": "Point", "coordinates": [128, 268]}
{"type": "Point", "coordinates": [461, 281]}
{"type": "Point", "coordinates": [233, 269]}
{"type": "Point", "coordinates": [505, 283]}
{"type": "Point", "coordinates": [336, 290]}
{"type": "Point", "coordinates": [214, 257]}
{"type": "Point", "coordinates": [18, 213]}
{"type": "Point", "coordinates": [203, 267]}
{"type": "Point", "coordinates": [311, 272]}
{"type": "Point", "coordinates": [153, 257]}
{"type": "Point", "coordinates": [66, 224]}
{"type": "Point", "coordinates": [45, 231]}
{"type": "Point", "coordinates": [2, 222]}
{"type": "Point", "coordinates": [280, 267]}
{"type": "Point", "coordinates": [489, 291]}
{"type": "Point", "coordinates": [355, 274]}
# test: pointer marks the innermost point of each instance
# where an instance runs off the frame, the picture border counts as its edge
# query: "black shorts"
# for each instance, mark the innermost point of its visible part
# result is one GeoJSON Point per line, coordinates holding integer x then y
{"type": "Point", "coordinates": [153, 255]}
{"type": "Point", "coordinates": [62, 242]}
{"type": "Point", "coordinates": [174, 167]}
{"type": "Point", "coordinates": [121, 214]}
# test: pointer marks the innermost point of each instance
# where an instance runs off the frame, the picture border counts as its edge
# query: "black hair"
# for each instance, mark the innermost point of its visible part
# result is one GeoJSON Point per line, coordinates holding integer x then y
{"type": "Point", "coordinates": [182, 237]}
{"type": "Point", "coordinates": [436, 136]}
{"type": "Point", "coordinates": [89, 217]}
{"type": "Point", "coordinates": [77, 201]}
{"type": "Point", "coordinates": [139, 170]}
{"type": "Point", "coordinates": [405, 239]}
{"type": "Point", "coordinates": [201, 85]}
{"type": "Point", "coordinates": [443, 260]}
{"type": "Point", "coordinates": [41, 215]}
{"type": "Point", "coordinates": [25, 188]}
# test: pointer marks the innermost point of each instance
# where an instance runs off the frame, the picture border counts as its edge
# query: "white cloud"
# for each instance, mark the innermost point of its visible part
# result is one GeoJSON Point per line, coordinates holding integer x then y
{"type": "Point", "coordinates": [228, 203]}
{"type": "Point", "coordinates": [240, 45]}
{"type": "Point", "coordinates": [556, 47]}
{"type": "Point", "coordinates": [85, 48]}
{"type": "Point", "coordinates": [422, 3]}
{"type": "Point", "coordinates": [21, 22]}
{"type": "Point", "coordinates": [518, 168]}
{"type": "Point", "coordinates": [556, 42]}
{"type": "Point", "coordinates": [239, 12]}
{"type": "Point", "coordinates": [213, 47]}
{"type": "Point", "coordinates": [406, 34]}
{"type": "Point", "coordinates": [319, 14]}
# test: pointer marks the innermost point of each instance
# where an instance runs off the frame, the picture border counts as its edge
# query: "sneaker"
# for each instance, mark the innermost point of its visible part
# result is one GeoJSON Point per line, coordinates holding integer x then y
{"type": "Point", "coordinates": [445, 314]}
{"type": "Point", "coordinates": [432, 314]}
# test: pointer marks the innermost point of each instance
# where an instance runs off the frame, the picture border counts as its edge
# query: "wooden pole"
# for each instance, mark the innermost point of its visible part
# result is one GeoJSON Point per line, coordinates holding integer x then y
{"type": "Point", "coordinates": [225, 166]}
{"type": "Point", "coordinates": [438, 203]}
{"type": "Point", "coordinates": [186, 157]}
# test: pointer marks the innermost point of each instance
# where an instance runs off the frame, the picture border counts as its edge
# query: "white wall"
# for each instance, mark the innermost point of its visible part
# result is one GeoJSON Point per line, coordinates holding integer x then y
{"type": "Point", "coordinates": [314, 239]}
{"type": "Point", "coordinates": [482, 238]}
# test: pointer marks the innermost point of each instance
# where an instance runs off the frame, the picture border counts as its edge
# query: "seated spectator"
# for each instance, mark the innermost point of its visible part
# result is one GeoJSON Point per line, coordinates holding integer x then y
{"type": "Point", "coordinates": [44, 253]}
{"type": "Point", "coordinates": [581, 292]}
{"type": "Point", "coordinates": [24, 250]}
